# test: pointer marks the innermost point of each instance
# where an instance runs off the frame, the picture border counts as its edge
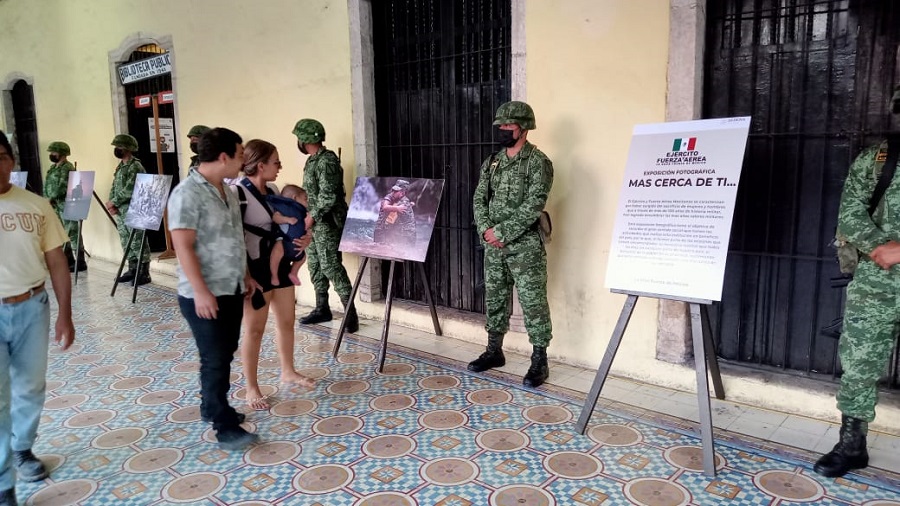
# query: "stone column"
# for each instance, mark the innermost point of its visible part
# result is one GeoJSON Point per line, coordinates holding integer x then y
{"type": "Point", "coordinates": [684, 101]}
{"type": "Point", "coordinates": [517, 35]}
{"type": "Point", "coordinates": [362, 95]}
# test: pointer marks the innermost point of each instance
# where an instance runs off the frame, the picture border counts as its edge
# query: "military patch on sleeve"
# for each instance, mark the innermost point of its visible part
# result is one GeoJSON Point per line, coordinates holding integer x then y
{"type": "Point", "coordinates": [881, 156]}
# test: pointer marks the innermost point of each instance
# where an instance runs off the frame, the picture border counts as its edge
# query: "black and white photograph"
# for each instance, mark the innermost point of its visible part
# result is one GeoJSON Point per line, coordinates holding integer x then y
{"type": "Point", "coordinates": [18, 178]}
{"type": "Point", "coordinates": [78, 195]}
{"type": "Point", "coordinates": [148, 202]}
{"type": "Point", "coordinates": [392, 217]}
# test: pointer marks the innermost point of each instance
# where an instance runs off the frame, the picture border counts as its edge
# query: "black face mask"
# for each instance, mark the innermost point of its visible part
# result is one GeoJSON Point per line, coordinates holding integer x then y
{"type": "Point", "coordinates": [54, 158]}
{"type": "Point", "coordinates": [505, 137]}
{"type": "Point", "coordinates": [302, 148]}
{"type": "Point", "coordinates": [194, 147]}
{"type": "Point", "coordinates": [118, 152]}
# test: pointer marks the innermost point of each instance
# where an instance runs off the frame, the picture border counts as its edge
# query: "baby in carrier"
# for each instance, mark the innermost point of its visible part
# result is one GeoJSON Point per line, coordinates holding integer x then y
{"type": "Point", "coordinates": [289, 212]}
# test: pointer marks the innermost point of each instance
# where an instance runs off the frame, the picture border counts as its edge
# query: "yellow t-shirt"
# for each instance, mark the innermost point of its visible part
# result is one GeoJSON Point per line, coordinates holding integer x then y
{"type": "Point", "coordinates": [28, 229]}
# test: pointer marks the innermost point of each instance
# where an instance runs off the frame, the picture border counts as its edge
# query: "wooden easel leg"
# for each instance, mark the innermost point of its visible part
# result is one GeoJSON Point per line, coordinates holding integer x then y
{"type": "Point", "coordinates": [122, 264]}
{"type": "Point", "coordinates": [428, 296]}
{"type": "Point", "coordinates": [712, 360]}
{"type": "Point", "coordinates": [590, 402]}
{"type": "Point", "coordinates": [140, 266]}
{"type": "Point", "coordinates": [389, 301]}
{"type": "Point", "coordinates": [353, 290]}
{"type": "Point", "coordinates": [706, 427]}
{"type": "Point", "coordinates": [77, 250]}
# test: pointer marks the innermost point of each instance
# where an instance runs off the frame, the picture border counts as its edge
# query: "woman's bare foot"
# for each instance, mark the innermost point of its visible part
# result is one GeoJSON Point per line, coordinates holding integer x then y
{"type": "Point", "coordinates": [295, 378]}
{"type": "Point", "coordinates": [256, 400]}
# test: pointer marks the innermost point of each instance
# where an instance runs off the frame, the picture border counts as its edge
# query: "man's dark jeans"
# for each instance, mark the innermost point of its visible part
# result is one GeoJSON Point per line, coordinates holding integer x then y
{"type": "Point", "coordinates": [217, 340]}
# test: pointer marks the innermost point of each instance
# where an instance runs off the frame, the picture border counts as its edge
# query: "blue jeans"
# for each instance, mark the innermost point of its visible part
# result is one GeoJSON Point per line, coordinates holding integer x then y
{"type": "Point", "coordinates": [24, 338]}
{"type": "Point", "coordinates": [217, 340]}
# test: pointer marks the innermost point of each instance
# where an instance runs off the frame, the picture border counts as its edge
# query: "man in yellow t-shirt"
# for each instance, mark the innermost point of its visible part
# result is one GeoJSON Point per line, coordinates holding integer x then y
{"type": "Point", "coordinates": [31, 245]}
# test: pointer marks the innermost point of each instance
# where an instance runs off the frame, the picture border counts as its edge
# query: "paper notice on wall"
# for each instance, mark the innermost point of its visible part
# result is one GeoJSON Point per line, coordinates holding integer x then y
{"type": "Point", "coordinates": [166, 135]}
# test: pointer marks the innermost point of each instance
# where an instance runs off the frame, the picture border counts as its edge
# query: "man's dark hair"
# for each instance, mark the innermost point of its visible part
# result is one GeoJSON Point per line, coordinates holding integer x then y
{"type": "Point", "coordinates": [4, 142]}
{"type": "Point", "coordinates": [217, 141]}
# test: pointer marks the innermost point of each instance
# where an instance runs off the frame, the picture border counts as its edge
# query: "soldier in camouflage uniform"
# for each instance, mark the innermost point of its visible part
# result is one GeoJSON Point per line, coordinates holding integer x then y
{"type": "Point", "coordinates": [872, 312]}
{"type": "Point", "coordinates": [194, 137]}
{"type": "Point", "coordinates": [119, 200]}
{"type": "Point", "coordinates": [55, 187]}
{"type": "Point", "coordinates": [396, 224]}
{"type": "Point", "coordinates": [511, 193]}
{"type": "Point", "coordinates": [323, 179]}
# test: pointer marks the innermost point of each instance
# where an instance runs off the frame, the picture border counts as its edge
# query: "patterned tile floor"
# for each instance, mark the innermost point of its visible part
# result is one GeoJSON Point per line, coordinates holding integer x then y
{"type": "Point", "coordinates": [121, 427]}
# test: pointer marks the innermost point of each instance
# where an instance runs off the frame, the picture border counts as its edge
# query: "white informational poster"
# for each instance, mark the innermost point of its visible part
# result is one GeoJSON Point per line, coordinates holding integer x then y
{"type": "Point", "coordinates": [675, 208]}
{"type": "Point", "coordinates": [148, 202]}
{"type": "Point", "coordinates": [166, 134]}
{"type": "Point", "coordinates": [78, 195]}
{"type": "Point", "coordinates": [19, 178]}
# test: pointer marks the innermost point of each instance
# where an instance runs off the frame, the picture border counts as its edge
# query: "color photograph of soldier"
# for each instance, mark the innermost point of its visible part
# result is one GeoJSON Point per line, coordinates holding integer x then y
{"type": "Point", "coordinates": [392, 217]}
{"type": "Point", "coordinates": [78, 195]}
{"type": "Point", "coordinates": [148, 202]}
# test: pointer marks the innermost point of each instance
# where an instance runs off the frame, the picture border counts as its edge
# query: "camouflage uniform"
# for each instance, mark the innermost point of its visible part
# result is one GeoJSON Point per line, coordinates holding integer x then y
{"type": "Point", "coordinates": [509, 199]}
{"type": "Point", "coordinates": [396, 228]}
{"type": "Point", "coordinates": [55, 186]}
{"type": "Point", "coordinates": [519, 187]}
{"type": "Point", "coordinates": [323, 179]}
{"type": "Point", "coordinates": [193, 136]}
{"type": "Point", "coordinates": [120, 195]}
{"type": "Point", "coordinates": [872, 313]}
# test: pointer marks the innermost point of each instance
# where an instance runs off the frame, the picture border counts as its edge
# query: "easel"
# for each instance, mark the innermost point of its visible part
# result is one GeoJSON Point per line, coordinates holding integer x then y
{"type": "Point", "coordinates": [169, 252]}
{"type": "Point", "coordinates": [78, 249]}
{"type": "Point", "coordinates": [124, 259]}
{"type": "Point", "coordinates": [703, 348]}
{"type": "Point", "coordinates": [387, 307]}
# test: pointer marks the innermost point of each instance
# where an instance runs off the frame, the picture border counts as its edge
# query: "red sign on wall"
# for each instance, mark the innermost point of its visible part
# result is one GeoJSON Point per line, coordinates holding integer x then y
{"type": "Point", "coordinates": [142, 101]}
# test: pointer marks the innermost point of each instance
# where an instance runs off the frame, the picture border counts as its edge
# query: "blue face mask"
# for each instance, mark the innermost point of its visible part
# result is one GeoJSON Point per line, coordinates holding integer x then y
{"type": "Point", "coordinates": [505, 138]}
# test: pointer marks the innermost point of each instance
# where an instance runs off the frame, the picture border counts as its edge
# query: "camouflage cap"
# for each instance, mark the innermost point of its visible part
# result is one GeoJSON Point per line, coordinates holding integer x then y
{"type": "Point", "coordinates": [401, 184]}
{"type": "Point", "coordinates": [59, 147]}
{"type": "Point", "coordinates": [309, 131]}
{"type": "Point", "coordinates": [516, 112]}
{"type": "Point", "coordinates": [125, 141]}
{"type": "Point", "coordinates": [198, 130]}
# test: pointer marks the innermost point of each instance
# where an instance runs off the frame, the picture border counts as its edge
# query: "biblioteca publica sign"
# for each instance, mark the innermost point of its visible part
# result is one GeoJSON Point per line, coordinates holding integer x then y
{"type": "Point", "coordinates": [145, 69]}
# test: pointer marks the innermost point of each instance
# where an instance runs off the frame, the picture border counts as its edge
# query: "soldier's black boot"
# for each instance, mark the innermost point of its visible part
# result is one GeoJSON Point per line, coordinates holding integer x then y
{"type": "Point", "coordinates": [70, 258]}
{"type": "Point", "coordinates": [352, 318]}
{"type": "Point", "coordinates": [143, 276]}
{"type": "Point", "coordinates": [129, 274]}
{"type": "Point", "coordinates": [492, 356]}
{"type": "Point", "coordinates": [539, 371]}
{"type": "Point", "coordinates": [849, 453]}
{"type": "Point", "coordinates": [321, 313]}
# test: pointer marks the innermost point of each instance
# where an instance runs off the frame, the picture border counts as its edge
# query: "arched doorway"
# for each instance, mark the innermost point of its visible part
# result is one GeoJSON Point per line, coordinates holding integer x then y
{"type": "Point", "coordinates": [25, 131]}
{"type": "Point", "coordinates": [139, 121]}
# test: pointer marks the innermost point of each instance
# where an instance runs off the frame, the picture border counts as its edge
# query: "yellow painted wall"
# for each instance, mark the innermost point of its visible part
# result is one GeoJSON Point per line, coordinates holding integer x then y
{"type": "Point", "coordinates": [594, 69]}
{"type": "Point", "coordinates": [255, 67]}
